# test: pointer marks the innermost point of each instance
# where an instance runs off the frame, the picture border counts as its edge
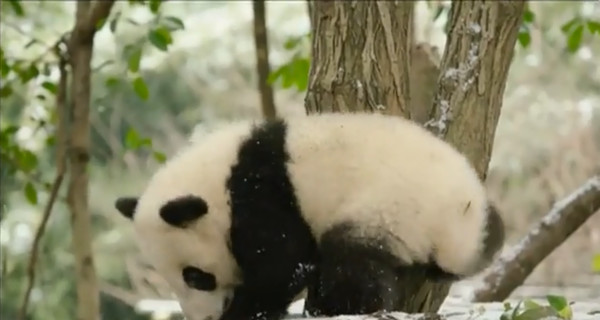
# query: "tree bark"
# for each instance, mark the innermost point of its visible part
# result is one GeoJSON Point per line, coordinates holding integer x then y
{"type": "Point", "coordinates": [262, 59]}
{"type": "Point", "coordinates": [81, 44]}
{"type": "Point", "coordinates": [566, 216]}
{"type": "Point", "coordinates": [479, 50]}
{"type": "Point", "coordinates": [360, 57]}
{"type": "Point", "coordinates": [361, 63]}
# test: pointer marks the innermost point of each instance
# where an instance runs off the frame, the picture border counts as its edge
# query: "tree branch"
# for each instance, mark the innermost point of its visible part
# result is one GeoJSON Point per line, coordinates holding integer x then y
{"type": "Point", "coordinates": [61, 146]}
{"type": "Point", "coordinates": [566, 216]}
{"type": "Point", "coordinates": [262, 59]}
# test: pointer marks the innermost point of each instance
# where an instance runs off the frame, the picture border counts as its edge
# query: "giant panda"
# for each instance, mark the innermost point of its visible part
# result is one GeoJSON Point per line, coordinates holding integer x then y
{"type": "Point", "coordinates": [347, 206]}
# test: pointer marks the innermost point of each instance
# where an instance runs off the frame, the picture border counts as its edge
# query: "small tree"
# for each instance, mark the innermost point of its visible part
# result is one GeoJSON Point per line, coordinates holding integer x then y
{"type": "Point", "coordinates": [361, 62]}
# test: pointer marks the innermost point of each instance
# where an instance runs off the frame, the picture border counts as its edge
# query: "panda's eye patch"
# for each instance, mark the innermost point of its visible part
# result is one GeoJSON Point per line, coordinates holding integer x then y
{"type": "Point", "coordinates": [197, 279]}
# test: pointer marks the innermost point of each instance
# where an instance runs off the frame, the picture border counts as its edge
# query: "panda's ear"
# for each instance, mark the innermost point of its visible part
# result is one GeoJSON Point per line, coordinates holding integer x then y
{"type": "Point", "coordinates": [126, 206]}
{"type": "Point", "coordinates": [182, 211]}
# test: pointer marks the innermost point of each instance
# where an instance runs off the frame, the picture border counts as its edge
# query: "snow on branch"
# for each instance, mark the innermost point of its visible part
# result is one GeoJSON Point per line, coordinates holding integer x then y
{"type": "Point", "coordinates": [565, 217]}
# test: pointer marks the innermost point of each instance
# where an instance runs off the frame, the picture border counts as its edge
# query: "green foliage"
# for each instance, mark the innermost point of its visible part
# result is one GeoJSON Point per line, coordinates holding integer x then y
{"type": "Point", "coordinates": [161, 38]}
{"type": "Point", "coordinates": [524, 36]}
{"type": "Point", "coordinates": [530, 310]}
{"type": "Point", "coordinates": [575, 29]}
{"type": "Point", "coordinates": [295, 72]}
{"type": "Point", "coordinates": [140, 88]}
{"type": "Point", "coordinates": [134, 141]}
{"type": "Point", "coordinates": [16, 7]}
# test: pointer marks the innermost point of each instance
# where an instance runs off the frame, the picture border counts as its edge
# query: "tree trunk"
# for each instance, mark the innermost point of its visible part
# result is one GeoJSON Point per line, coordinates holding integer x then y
{"type": "Point", "coordinates": [262, 59]}
{"type": "Point", "coordinates": [360, 57]}
{"type": "Point", "coordinates": [360, 62]}
{"type": "Point", "coordinates": [81, 45]}
{"type": "Point", "coordinates": [479, 50]}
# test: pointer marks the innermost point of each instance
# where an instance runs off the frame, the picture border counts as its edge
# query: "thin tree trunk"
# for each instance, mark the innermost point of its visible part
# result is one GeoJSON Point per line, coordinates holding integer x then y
{"type": "Point", "coordinates": [262, 59]}
{"type": "Point", "coordinates": [361, 63]}
{"type": "Point", "coordinates": [565, 218]}
{"type": "Point", "coordinates": [81, 45]}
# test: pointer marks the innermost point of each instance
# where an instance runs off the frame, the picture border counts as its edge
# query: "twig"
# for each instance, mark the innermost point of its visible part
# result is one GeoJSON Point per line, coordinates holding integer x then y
{"type": "Point", "coordinates": [60, 173]}
{"type": "Point", "coordinates": [566, 216]}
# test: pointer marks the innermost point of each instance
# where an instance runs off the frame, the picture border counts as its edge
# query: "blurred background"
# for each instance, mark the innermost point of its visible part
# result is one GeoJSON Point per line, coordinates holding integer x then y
{"type": "Point", "coordinates": [547, 142]}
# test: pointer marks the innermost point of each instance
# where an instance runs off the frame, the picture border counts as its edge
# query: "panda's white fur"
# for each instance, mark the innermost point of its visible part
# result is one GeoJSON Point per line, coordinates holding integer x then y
{"type": "Point", "coordinates": [379, 172]}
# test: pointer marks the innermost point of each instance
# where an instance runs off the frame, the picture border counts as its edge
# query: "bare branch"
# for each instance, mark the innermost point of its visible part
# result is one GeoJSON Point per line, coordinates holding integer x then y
{"type": "Point", "coordinates": [566, 216]}
{"type": "Point", "coordinates": [61, 132]}
{"type": "Point", "coordinates": [262, 59]}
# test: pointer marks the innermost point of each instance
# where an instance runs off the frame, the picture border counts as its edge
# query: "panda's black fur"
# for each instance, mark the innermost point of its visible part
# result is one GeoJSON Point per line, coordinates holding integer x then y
{"type": "Point", "coordinates": [277, 254]}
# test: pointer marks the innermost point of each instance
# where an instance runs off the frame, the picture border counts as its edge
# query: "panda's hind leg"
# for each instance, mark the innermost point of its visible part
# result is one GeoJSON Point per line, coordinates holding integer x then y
{"type": "Point", "coordinates": [352, 277]}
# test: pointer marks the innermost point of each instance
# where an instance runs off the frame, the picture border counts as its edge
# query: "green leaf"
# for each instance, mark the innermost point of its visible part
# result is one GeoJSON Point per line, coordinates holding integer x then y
{"type": "Point", "coordinates": [17, 8]}
{"type": "Point", "coordinates": [174, 23]}
{"type": "Point", "coordinates": [29, 73]}
{"type": "Point", "coordinates": [291, 43]}
{"type": "Point", "coordinates": [557, 302]}
{"type": "Point", "coordinates": [5, 68]}
{"type": "Point", "coordinates": [528, 16]}
{"type": "Point", "coordinates": [530, 304]}
{"type": "Point", "coordinates": [536, 314]}
{"type": "Point", "coordinates": [596, 263]}
{"type": "Point", "coordinates": [5, 91]}
{"type": "Point", "coordinates": [27, 160]}
{"type": "Point", "coordinates": [160, 38]}
{"type": "Point", "coordinates": [155, 5]}
{"type": "Point", "coordinates": [132, 139]}
{"type": "Point", "coordinates": [524, 39]}
{"type": "Point", "coordinates": [134, 60]}
{"type": "Point", "coordinates": [574, 39]}
{"type": "Point", "coordinates": [100, 24]}
{"type": "Point", "coordinates": [276, 74]}
{"type": "Point", "coordinates": [51, 87]}
{"type": "Point", "coordinates": [111, 82]}
{"type": "Point", "coordinates": [565, 28]}
{"type": "Point", "coordinates": [140, 88]}
{"type": "Point", "coordinates": [159, 157]}
{"type": "Point", "coordinates": [594, 27]}
{"type": "Point", "coordinates": [300, 71]}
{"type": "Point", "coordinates": [30, 193]}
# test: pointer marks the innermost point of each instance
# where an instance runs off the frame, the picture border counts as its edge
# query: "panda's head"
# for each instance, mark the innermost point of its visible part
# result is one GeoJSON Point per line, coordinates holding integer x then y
{"type": "Point", "coordinates": [185, 242]}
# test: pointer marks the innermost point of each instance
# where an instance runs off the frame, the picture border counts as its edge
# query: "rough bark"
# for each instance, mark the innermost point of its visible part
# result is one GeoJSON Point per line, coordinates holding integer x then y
{"type": "Point", "coordinates": [479, 50]}
{"type": "Point", "coordinates": [81, 44]}
{"type": "Point", "coordinates": [566, 216]}
{"type": "Point", "coordinates": [360, 57]}
{"type": "Point", "coordinates": [262, 59]}
{"type": "Point", "coordinates": [361, 63]}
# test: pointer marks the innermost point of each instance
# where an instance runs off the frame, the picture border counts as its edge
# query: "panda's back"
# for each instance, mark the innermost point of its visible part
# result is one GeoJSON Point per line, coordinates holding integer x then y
{"type": "Point", "coordinates": [384, 174]}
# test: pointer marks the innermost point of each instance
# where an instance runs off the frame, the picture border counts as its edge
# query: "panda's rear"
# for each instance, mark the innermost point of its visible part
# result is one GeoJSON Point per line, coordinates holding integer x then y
{"type": "Point", "coordinates": [346, 205]}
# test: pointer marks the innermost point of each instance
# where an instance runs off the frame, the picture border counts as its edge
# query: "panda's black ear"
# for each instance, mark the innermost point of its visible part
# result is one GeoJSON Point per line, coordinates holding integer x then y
{"type": "Point", "coordinates": [182, 211]}
{"type": "Point", "coordinates": [126, 206]}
